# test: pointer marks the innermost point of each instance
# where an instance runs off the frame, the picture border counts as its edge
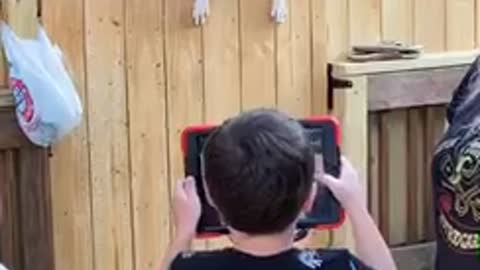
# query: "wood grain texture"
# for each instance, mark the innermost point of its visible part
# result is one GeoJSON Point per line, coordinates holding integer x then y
{"type": "Point", "coordinates": [319, 56]}
{"type": "Point", "coordinates": [460, 32]}
{"type": "Point", "coordinates": [70, 167]}
{"type": "Point", "coordinates": [364, 21]}
{"type": "Point", "coordinates": [108, 134]}
{"type": "Point", "coordinates": [11, 135]}
{"type": "Point", "coordinates": [22, 16]}
{"type": "Point", "coordinates": [147, 131]}
{"type": "Point", "coordinates": [221, 45]}
{"type": "Point", "coordinates": [34, 199]}
{"type": "Point", "coordinates": [434, 123]}
{"type": "Point", "coordinates": [257, 54]}
{"type": "Point", "coordinates": [374, 167]}
{"type": "Point", "coordinates": [412, 89]}
{"type": "Point", "coordinates": [427, 61]}
{"type": "Point", "coordinates": [397, 159]}
{"type": "Point", "coordinates": [293, 61]}
{"type": "Point", "coordinates": [477, 23]}
{"type": "Point", "coordinates": [384, 174]}
{"type": "Point", "coordinates": [337, 29]}
{"type": "Point", "coordinates": [6, 98]}
{"type": "Point", "coordinates": [415, 174]}
{"type": "Point", "coordinates": [9, 236]}
{"type": "Point", "coordinates": [430, 24]}
{"type": "Point", "coordinates": [397, 20]}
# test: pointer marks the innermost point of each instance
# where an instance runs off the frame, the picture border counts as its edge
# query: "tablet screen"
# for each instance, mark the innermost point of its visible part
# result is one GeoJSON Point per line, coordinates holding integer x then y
{"type": "Point", "coordinates": [326, 209]}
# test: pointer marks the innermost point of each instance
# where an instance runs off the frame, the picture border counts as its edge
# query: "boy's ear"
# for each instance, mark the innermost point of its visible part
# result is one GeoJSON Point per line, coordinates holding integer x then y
{"type": "Point", "coordinates": [309, 203]}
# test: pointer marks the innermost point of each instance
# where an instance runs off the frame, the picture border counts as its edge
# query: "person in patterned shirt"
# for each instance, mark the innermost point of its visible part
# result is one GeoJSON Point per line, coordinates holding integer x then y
{"type": "Point", "coordinates": [456, 179]}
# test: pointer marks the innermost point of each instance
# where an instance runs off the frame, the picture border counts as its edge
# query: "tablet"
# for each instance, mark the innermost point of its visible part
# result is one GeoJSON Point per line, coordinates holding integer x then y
{"type": "Point", "coordinates": [324, 133]}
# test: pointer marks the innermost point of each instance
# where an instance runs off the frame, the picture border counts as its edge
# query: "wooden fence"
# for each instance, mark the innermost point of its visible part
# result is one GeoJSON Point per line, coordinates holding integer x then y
{"type": "Point", "coordinates": [401, 143]}
{"type": "Point", "coordinates": [145, 72]}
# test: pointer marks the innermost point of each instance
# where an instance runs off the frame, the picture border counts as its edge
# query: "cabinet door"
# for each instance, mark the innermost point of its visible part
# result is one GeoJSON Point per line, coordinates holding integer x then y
{"type": "Point", "coordinates": [26, 233]}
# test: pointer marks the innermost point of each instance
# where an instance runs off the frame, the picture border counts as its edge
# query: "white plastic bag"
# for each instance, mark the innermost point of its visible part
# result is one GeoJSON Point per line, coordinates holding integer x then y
{"type": "Point", "coordinates": [47, 104]}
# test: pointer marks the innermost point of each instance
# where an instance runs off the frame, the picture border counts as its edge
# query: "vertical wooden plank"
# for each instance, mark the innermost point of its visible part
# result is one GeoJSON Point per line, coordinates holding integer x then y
{"type": "Point", "coordinates": [374, 166]}
{"type": "Point", "coordinates": [477, 23]}
{"type": "Point", "coordinates": [70, 178]}
{"type": "Point", "coordinates": [415, 175]}
{"type": "Point", "coordinates": [396, 123]}
{"type": "Point", "coordinates": [221, 44]}
{"type": "Point", "coordinates": [108, 134]}
{"type": "Point", "coordinates": [34, 198]}
{"type": "Point", "coordinates": [384, 174]}
{"type": "Point", "coordinates": [319, 56]}
{"type": "Point", "coordinates": [397, 20]}
{"type": "Point", "coordinates": [460, 25]}
{"type": "Point", "coordinates": [364, 21]}
{"type": "Point", "coordinates": [9, 247]}
{"type": "Point", "coordinates": [429, 24]}
{"type": "Point", "coordinates": [428, 189]}
{"type": "Point", "coordinates": [293, 61]}
{"type": "Point", "coordinates": [185, 84]}
{"type": "Point", "coordinates": [435, 117]}
{"type": "Point", "coordinates": [350, 107]}
{"type": "Point", "coordinates": [337, 28]}
{"type": "Point", "coordinates": [148, 135]}
{"type": "Point", "coordinates": [257, 54]}
{"type": "Point", "coordinates": [22, 16]}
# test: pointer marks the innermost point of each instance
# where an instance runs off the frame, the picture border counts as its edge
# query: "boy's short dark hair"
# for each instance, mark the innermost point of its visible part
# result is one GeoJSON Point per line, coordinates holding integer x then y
{"type": "Point", "coordinates": [259, 170]}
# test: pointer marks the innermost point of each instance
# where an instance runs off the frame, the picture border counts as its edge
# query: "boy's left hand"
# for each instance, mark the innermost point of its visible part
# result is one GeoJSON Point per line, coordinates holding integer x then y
{"type": "Point", "coordinates": [187, 208]}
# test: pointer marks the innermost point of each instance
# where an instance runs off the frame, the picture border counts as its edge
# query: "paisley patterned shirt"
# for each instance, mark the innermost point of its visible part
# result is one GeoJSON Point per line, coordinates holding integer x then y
{"type": "Point", "coordinates": [456, 179]}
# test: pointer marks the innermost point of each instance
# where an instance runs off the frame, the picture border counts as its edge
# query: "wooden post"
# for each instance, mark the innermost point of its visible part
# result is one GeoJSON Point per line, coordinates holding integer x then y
{"type": "Point", "coordinates": [33, 197]}
{"type": "Point", "coordinates": [350, 107]}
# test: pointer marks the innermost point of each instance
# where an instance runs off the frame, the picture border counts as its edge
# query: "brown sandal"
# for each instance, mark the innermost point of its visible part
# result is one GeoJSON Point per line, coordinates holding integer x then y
{"type": "Point", "coordinates": [384, 51]}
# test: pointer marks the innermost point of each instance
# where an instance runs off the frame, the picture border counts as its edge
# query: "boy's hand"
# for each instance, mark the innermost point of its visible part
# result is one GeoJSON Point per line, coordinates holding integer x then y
{"type": "Point", "coordinates": [347, 188]}
{"type": "Point", "coordinates": [187, 208]}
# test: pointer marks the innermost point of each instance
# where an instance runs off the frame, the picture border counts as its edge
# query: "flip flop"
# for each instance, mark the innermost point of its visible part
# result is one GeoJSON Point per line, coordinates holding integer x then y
{"type": "Point", "coordinates": [384, 51]}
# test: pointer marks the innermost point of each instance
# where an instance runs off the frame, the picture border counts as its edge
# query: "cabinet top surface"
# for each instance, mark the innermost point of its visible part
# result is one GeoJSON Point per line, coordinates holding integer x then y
{"type": "Point", "coordinates": [426, 61]}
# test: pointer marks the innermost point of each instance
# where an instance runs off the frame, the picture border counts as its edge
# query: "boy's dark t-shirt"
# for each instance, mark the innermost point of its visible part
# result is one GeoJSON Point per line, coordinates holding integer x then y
{"type": "Point", "coordinates": [294, 259]}
{"type": "Point", "coordinates": [456, 179]}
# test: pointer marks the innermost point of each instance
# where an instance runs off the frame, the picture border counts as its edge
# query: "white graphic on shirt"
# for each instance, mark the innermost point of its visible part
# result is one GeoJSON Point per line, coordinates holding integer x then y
{"type": "Point", "coordinates": [310, 259]}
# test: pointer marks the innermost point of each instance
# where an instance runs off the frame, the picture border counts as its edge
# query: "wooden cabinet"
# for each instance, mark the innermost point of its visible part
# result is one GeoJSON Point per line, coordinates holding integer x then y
{"type": "Point", "coordinates": [26, 233]}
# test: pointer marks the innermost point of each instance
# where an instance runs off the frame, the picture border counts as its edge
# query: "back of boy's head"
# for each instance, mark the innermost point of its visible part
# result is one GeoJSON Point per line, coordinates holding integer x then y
{"type": "Point", "coordinates": [259, 170]}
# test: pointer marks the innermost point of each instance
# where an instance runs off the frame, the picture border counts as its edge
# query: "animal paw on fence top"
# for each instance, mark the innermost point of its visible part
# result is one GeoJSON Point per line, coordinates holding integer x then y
{"type": "Point", "coordinates": [201, 11]}
{"type": "Point", "coordinates": [279, 11]}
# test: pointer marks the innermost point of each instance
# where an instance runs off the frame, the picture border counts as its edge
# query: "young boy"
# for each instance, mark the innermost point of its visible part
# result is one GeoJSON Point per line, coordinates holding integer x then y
{"type": "Point", "coordinates": [261, 175]}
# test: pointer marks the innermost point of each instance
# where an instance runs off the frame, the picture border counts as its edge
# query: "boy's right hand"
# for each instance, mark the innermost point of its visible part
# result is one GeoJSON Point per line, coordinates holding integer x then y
{"type": "Point", "coordinates": [347, 189]}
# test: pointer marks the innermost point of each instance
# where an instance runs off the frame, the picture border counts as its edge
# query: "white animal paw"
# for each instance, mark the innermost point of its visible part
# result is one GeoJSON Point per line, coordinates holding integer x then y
{"type": "Point", "coordinates": [279, 11]}
{"type": "Point", "coordinates": [201, 11]}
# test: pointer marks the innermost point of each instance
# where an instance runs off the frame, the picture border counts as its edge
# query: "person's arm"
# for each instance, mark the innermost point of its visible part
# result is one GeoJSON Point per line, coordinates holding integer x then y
{"type": "Point", "coordinates": [187, 210]}
{"type": "Point", "coordinates": [371, 246]}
